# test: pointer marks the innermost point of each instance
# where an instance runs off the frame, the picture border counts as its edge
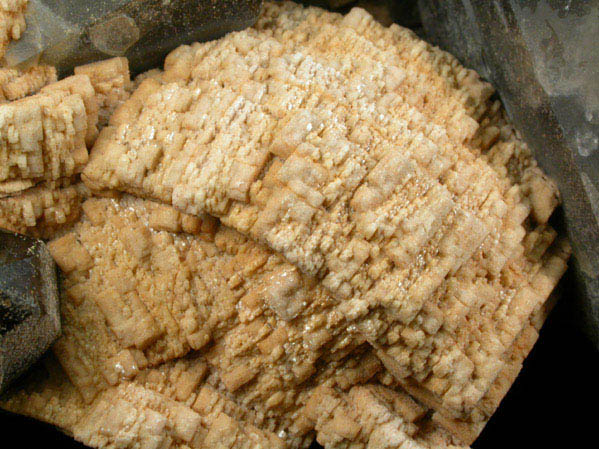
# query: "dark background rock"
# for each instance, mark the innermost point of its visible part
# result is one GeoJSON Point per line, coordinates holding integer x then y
{"type": "Point", "coordinates": [29, 317]}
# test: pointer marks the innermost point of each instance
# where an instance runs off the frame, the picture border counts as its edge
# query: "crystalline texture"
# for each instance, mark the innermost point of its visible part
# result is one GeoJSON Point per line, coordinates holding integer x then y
{"type": "Point", "coordinates": [542, 58]}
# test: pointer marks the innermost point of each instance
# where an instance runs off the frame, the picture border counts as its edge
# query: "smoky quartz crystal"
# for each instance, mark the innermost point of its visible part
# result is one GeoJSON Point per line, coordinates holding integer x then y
{"type": "Point", "coordinates": [29, 310]}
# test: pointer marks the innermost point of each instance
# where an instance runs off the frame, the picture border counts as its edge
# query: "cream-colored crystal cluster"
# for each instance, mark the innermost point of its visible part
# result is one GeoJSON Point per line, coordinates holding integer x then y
{"type": "Point", "coordinates": [318, 227]}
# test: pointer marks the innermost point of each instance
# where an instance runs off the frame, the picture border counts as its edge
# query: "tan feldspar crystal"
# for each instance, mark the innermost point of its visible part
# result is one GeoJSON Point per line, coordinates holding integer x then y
{"type": "Point", "coordinates": [44, 140]}
{"type": "Point", "coordinates": [163, 293]}
{"type": "Point", "coordinates": [362, 155]}
{"type": "Point", "coordinates": [111, 80]}
{"type": "Point", "coordinates": [169, 269]}
{"type": "Point", "coordinates": [41, 211]}
{"type": "Point", "coordinates": [12, 22]}
{"type": "Point", "coordinates": [42, 137]}
{"type": "Point", "coordinates": [16, 83]}
{"type": "Point", "coordinates": [381, 268]}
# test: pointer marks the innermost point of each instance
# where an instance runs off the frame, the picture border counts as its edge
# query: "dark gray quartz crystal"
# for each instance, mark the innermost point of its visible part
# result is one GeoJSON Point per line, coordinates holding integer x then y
{"type": "Point", "coordinates": [29, 309]}
{"type": "Point", "coordinates": [67, 33]}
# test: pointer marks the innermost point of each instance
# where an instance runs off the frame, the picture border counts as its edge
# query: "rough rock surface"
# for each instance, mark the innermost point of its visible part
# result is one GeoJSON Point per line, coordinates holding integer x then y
{"type": "Point", "coordinates": [155, 410]}
{"type": "Point", "coordinates": [246, 366]}
{"type": "Point", "coordinates": [164, 292]}
{"type": "Point", "coordinates": [292, 362]}
{"type": "Point", "coordinates": [289, 133]}
{"type": "Point", "coordinates": [100, 350]}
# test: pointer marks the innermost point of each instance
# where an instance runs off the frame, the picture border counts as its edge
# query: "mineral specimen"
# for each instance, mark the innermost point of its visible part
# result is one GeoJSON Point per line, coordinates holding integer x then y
{"type": "Point", "coordinates": [381, 266]}
{"type": "Point", "coordinates": [361, 155]}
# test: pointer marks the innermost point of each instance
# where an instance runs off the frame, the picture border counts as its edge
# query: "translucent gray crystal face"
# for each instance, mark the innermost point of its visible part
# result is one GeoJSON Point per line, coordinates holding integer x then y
{"type": "Point", "coordinates": [67, 33]}
{"type": "Point", "coordinates": [29, 318]}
